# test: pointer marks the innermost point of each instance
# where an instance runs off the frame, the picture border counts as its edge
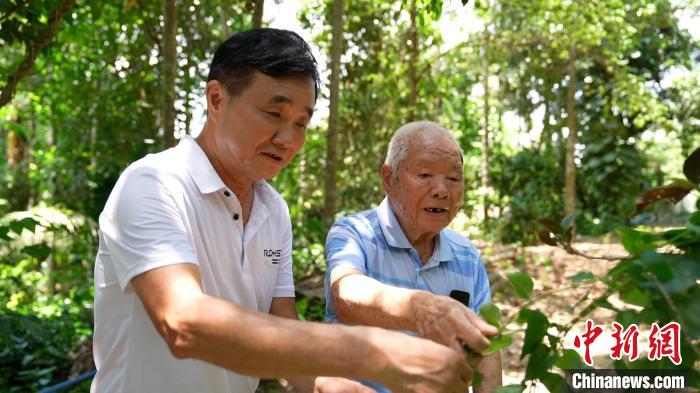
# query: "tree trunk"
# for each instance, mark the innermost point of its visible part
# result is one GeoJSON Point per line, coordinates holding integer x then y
{"type": "Point", "coordinates": [258, 7]}
{"type": "Point", "coordinates": [570, 190]}
{"type": "Point", "coordinates": [332, 135]}
{"type": "Point", "coordinates": [413, 48]}
{"type": "Point", "coordinates": [53, 24]}
{"type": "Point", "coordinates": [169, 70]}
{"type": "Point", "coordinates": [485, 174]}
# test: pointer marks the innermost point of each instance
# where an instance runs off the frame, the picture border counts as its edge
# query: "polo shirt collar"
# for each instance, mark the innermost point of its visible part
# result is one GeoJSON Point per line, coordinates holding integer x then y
{"type": "Point", "coordinates": [205, 176]}
{"type": "Point", "coordinates": [390, 226]}
{"type": "Point", "coordinates": [396, 237]}
{"type": "Point", "coordinates": [199, 166]}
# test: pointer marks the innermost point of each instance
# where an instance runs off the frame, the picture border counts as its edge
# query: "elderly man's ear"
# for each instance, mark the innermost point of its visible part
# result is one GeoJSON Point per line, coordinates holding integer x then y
{"type": "Point", "coordinates": [386, 177]}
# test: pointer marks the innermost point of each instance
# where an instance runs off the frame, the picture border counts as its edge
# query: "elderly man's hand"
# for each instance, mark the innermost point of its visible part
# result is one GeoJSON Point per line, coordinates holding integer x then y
{"type": "Point", "coordinates": [447, 321]}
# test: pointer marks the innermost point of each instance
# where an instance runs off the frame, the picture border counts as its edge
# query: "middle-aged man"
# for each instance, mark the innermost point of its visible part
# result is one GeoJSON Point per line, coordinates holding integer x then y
{"type": "Point", "coordinates": [193, 279]}
{"type": "Point", "coordinates": [394, 266]}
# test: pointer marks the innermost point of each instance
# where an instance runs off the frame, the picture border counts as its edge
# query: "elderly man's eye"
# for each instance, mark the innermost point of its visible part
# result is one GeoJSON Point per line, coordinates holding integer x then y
{"type": "Point", "coordinates": [274, 114]}
{"type": "Point", "coordinates": [454, 179]}
{"type": "Point", "coordinates": [424, 175]}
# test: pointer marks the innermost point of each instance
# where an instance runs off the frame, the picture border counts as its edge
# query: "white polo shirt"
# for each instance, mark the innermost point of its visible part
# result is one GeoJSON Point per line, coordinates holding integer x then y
{"type": "Point", "coordinates": [171, 208]}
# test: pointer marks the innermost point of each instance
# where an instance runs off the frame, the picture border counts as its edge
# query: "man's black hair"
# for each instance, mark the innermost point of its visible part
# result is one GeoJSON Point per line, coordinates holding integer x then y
{"type": "Point", "coordinates": [273, 52]}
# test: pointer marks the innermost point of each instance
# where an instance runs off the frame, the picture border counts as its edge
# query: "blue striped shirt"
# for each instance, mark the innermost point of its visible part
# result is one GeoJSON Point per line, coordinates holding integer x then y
{"type": "Point", "coordinates": [373, 243]}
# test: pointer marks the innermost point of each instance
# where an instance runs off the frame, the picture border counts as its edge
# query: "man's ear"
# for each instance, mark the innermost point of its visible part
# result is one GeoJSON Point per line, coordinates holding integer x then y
{"type": "Point", "coordinates": [387, 176]}
{"type": "Point", "coordinates": [216, 96]}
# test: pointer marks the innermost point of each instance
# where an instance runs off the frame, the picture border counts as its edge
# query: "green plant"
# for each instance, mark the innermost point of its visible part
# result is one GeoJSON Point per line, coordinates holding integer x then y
{"type": "Point", "coordinates": [659, 276]}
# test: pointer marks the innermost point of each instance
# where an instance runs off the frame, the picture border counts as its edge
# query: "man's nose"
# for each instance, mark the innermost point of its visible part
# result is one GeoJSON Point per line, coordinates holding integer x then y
{"type": "Point", "coordinates": [439, 188]}
{"type": "Point", "coordinates": [284, 137]}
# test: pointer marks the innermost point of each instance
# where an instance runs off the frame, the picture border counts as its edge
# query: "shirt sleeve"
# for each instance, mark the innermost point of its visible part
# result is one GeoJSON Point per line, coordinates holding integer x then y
{"type": "Point", "coordinates": [482, 288]}
{"type": "Point", "coordinates": [344, 250]}
{"type": "Point", "coordinates": [142, 226]}
{"type": "Point", "coordinates": [284, 285]}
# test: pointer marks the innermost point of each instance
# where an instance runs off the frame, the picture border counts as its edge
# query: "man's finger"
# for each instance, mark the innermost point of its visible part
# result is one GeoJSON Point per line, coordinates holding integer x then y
{"type": "Point", "coordinates": [485, 328]}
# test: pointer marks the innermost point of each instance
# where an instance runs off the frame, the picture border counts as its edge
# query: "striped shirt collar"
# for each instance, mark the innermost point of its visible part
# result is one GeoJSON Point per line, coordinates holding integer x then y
{"type": "Point", "coordinates": [395, 236]}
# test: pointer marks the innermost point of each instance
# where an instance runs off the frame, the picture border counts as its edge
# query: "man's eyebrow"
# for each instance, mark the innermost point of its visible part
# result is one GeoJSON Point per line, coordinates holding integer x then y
{"type": "Point", "coordinates": [281, 99]}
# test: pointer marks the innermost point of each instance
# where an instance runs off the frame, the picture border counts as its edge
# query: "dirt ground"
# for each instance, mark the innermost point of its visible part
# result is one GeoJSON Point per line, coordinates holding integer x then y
{"type": "Point", "coordinates": [549, 268]}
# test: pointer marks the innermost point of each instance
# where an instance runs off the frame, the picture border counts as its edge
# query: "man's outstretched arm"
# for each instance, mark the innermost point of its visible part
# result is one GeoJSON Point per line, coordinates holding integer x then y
{"type": "Point", "coordinates": [361, 299]}
{"type": "Point", "coordinates": [195, 325]}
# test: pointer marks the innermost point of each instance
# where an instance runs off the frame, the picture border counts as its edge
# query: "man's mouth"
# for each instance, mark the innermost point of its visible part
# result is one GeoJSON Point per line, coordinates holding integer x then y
{"type": "Point", "coordinates": [435, 210]}
{"type": "Point", "coordinates": [273, 156]}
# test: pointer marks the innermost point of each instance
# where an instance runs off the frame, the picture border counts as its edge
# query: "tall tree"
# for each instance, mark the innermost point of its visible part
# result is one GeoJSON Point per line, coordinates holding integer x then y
{"type": "Point", "coordinates": [330, 194]}
{"type": "Point", "coordinates": [258, 6]}
{"type": "Point", "coordinates": [570, 191]}
{"type": "Point", "coordinates": [169, 70]}
{"type": "Point", "coordinates": [413, 60]}
{"type": "Point", "coordinates": [485, 175]}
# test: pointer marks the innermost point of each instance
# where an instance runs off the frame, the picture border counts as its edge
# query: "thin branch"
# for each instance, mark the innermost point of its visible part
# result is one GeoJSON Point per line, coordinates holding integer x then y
{"type": "Point", "coordinates": [33, 51]}
{"type": "Point", "coordinates": [573, 251]}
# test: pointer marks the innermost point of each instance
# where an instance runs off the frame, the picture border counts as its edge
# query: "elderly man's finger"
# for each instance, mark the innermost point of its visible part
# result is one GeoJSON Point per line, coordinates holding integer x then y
{"type": "Point", "coordinates": [472, 333]}
{"type": "Point", "coordinates": [485, 328]}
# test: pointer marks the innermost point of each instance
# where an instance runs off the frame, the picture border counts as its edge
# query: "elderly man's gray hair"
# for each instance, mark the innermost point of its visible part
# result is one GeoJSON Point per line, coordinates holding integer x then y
{"type": "Point", "coordinates": [398, 146]}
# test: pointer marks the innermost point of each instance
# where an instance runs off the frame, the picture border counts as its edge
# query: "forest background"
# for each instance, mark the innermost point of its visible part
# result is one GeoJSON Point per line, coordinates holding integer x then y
{"type": "Point", "coordinates": [560, 107]}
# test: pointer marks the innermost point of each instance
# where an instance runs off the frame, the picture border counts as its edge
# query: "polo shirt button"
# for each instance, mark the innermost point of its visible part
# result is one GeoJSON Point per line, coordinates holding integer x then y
{"type": "Point", "coordinates": [235, 216]}
{"type": "Point", "coordinates": [227, 193]}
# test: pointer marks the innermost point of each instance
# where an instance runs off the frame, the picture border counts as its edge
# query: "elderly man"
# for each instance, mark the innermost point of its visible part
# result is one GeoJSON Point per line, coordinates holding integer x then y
{"type": "Point", "coordinates": [193, 277]}
{"type": "Point", "coordinates": [395, 265]}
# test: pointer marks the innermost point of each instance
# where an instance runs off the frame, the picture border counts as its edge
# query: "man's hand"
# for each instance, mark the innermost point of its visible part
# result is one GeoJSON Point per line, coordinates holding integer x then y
{"type": "Point", "coordinates": [425, 366]}
{"type": "Point", "coordinates": [340, 385]}
{"type": "Point", "coordinates": [447, 321]}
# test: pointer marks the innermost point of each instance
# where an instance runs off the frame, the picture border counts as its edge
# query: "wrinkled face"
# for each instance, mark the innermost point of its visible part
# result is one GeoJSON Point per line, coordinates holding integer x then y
{"type": "Point", "coordinates": [427, 191]}
{"type": "Point", "coordinates": [259, 131]}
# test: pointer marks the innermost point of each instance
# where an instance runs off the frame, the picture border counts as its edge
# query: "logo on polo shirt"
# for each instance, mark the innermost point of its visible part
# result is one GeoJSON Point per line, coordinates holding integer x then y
{"type": "Point", "coordinates": [275, 254]}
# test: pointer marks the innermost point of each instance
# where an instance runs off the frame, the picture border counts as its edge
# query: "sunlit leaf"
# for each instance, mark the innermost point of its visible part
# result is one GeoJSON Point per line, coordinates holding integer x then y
{"type": "Point", "coordinates": [569, 359]}
{"type": "Point", "coordinates": [497, 343]}
{"type": "Point", "coordinates": [522, 284]}
{"type": "Point", "coordinates": [491, 314]}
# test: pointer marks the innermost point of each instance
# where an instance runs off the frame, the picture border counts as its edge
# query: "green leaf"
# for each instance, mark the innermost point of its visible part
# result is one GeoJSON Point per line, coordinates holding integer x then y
{"type": "Point", "coordinates": [691, 167]}
{"type": "Point", "coordinates": [497, 343]}
{"type": "Point", "coordinates": [491, 314]}
{"type": "Point", "coordinates": [509, 389]}
{"type": "Point", "coordinates": [636, 297]}
{"type": "Point", "coordinates": [522, 284]}
{"type": "Point", "coordinates": [582, 276]}
{"type": "Point", "coordinates": [4, 233]}
{"type": "Point", "coordinates": [568, 221]}
{"type": "Point", "coordinates": [554, 382]}
{"type": "Point", "coordinates": [636, 241]}
{"type": "Point", "coordinates": [27, 222]}
{"type": "Point", "coordinates": [569, 360]}
{"type": "Point", "coordinates": [537, 363]}
{"type": "Point", "coordinates": [38, 251]}
{"type": "Point", "coordinates": [537, 324]}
